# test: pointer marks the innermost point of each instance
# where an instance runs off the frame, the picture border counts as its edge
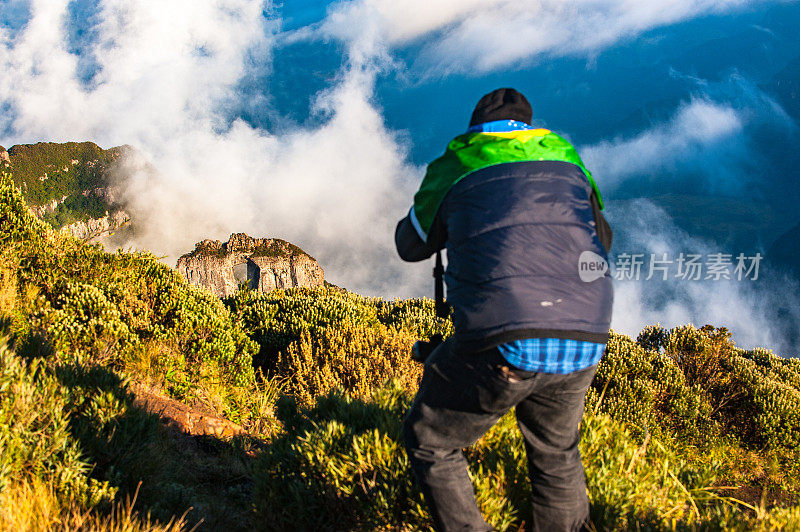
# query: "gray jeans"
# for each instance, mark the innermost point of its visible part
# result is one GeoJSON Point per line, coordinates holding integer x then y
{"type": "Point", "coordinates": [461, 396]}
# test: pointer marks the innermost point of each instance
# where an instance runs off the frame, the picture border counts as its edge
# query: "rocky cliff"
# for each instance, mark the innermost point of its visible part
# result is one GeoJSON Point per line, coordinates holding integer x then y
{"type": "Point", "coordinates": [97, 227]}
{"type": "Point", "coordinates": [265, 264]}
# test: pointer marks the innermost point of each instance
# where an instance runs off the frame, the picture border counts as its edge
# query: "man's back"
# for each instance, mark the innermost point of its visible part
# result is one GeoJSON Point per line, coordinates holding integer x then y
{"type": "Point", "coordinates": [516, 209]}
{"type": "Point", "coordinates": [515, 235]}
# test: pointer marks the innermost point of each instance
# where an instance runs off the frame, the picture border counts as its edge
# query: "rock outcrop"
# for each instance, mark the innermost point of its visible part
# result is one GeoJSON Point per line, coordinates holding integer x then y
{"type": "Point", "coordinates": [98, 227]}
{"type": "Point", "coordinates": [265, 264]}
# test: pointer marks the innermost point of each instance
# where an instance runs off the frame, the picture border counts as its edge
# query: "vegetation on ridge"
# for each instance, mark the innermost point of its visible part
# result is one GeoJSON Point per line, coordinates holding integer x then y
{"type": "Point", "coordinates": [273, 247]}
{"type": "Point", "coordinates": [72, 176]}
{"type": "Point", "coordinates": [682, 429]}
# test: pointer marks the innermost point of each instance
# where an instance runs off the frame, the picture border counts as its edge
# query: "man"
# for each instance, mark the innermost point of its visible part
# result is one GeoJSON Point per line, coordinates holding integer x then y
{"type": "Point", "coordinates": [517, 212]}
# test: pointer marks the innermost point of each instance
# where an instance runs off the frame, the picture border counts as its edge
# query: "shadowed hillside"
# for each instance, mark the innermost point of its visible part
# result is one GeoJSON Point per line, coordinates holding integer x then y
{"type": "Point", "coordinates": [682, 430]}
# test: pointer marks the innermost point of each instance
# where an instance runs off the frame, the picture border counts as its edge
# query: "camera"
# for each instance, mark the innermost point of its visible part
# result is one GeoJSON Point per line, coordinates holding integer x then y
{"type": "Point", "coordinates": [422, 349]}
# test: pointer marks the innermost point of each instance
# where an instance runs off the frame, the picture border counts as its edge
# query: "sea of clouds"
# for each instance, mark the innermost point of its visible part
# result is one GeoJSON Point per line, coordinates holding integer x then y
{"type": "Point", "coordinates": [164, 76]}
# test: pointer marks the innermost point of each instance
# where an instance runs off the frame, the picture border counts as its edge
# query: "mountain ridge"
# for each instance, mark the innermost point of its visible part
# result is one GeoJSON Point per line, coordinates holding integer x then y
{"type": "Point", "coordinates": [70, 185]}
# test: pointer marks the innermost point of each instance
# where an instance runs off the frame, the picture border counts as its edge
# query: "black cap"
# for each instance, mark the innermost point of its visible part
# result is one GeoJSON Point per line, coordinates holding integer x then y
{"type": "Point", "coordinates": [502, 104]}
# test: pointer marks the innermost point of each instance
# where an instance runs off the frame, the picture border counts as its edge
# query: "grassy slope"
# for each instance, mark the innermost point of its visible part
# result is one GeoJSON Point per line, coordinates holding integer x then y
{"type": "Point", "coordinates": [682, 429]}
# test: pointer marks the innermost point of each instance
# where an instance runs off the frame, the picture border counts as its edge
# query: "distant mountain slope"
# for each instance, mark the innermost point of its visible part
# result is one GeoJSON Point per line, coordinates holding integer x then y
{"type": "Point", "coordinates": [786, 86]}
{"type": "Point", "coordinates": [785, 251]}
{"type": "Point", "coordinates": [68, 185]}
{"type": "Point", "coordinates": [735, 225]}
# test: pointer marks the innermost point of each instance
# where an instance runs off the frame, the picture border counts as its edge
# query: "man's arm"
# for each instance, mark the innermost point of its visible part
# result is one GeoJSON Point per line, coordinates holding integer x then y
{"type": "Point", "coordinates": [604, 232]}
{"type": "Point", "coordinates": [410, 244]}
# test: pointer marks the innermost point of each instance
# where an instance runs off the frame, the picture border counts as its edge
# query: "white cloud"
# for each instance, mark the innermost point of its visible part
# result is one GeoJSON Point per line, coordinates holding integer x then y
{"type": "Point", "coordinates": [155, 59]}
{"type": "Point", "coordinates": [473, 36]}
{"type": "Point", "coordinates": [696, 130]}
{"type": "Point", "coordinates": [746, 307]}
{"type": "Point", "coordinates": [709, 137]}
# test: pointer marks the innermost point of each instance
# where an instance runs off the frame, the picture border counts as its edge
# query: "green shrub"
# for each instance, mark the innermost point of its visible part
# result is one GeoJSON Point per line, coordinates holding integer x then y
{"type": "Point", "coordinates": [648, 391]}
{"type": "Point", "coordinates": [357, 359]}
{"type": "Point", "coordinates": [339, 466]}
{"type": "Point", "coordinates": [417, 316]}
{"type": "Point", "coordinates": [35, 438]}
{"type": "Point", "coordinates": [768, 387]}
{"type": "Point", "coordinates": [83, 321]}
{"type": "Point", "coordinates": [696, 383]}
{"type": "Point", "coordinates": [278, 318]}
{"type": "Point", "coordinates": [99, 304]}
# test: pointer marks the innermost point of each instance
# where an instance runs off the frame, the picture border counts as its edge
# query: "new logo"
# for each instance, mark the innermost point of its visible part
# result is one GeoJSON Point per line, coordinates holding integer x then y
{"type": "Point", "coordinates": [591, 266]}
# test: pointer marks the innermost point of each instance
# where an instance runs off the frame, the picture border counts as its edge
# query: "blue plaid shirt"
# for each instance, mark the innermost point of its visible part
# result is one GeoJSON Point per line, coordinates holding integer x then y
{"type": "Point", "coordinates": [552, 355]}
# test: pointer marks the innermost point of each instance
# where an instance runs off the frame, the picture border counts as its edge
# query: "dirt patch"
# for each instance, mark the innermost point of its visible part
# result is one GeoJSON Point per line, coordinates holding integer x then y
{"type": "Point", "coordinates": [196, 421]}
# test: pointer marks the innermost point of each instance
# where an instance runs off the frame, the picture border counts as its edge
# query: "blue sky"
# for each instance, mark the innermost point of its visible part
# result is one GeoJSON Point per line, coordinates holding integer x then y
{"type": "Point", "coordinates": [312, 121]}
